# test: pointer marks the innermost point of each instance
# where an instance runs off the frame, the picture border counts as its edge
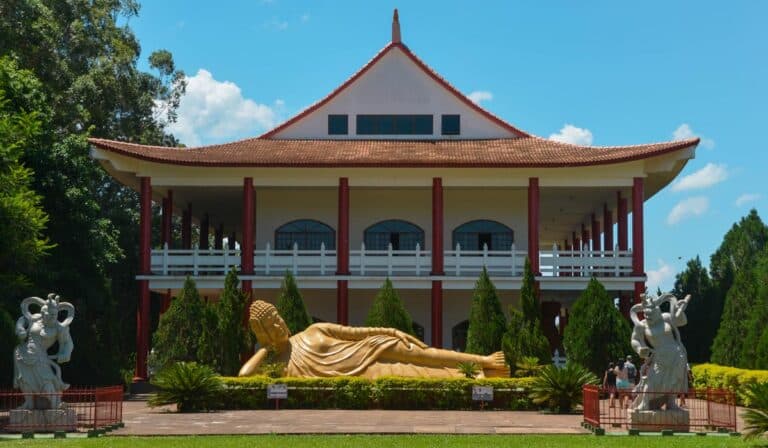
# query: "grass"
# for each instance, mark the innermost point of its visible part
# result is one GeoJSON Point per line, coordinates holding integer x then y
{"type": "Point", "coordinates": [409, 441]}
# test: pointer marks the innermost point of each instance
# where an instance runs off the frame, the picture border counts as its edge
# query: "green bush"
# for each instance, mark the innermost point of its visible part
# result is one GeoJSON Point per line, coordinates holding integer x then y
{"type": "Point", "coordinates": [178, 334]}
{"type": "Point", "coordinates": [388, 311]}
{"type": "Point", "coordinates": [190, 386]}
{"type": "Point", "coordinates": [756, 419]}
{"type": "Point", "coordinates": [381, 393]}
{"type": "Point", "coordinates": [235, 338]}
{"type": "Point", "coordinates": [524, 336]}
{"type": "Point", "coordinates": [736, 380]}
{"type": "Point", "coordinates": [560, 389]}
{"type": "Point", "coordinates": [7, 344]}
{"type": "Point", "coordinates": [290, 305]}
{"type": "Point", "coordinates": [486, 319]}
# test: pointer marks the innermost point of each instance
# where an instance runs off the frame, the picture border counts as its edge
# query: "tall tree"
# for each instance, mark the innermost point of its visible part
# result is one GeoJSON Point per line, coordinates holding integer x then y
{"type": "Point", "coordinates": [178, 335]}
{"type": "Point", "coordinates": [85, 56]}
{"type": "Point", "coordinates": [524, 336]}
{"type": "Point", "coordinates": [388, 310]}
{"type": "Point", "coordinates": [291, 306]}
{"type": "Point", "coordinates": [486, 319]}
{"type": "Point", "coordinates": [703, 312]}
{"type": "Point", "coordinates": [739, 249]}
{"type": "Point", "coordinates": [597, 333]}
{"type": "Point", "coordinates": [235, 338]}
{"type": "Point", "coordinates": [22, 242]}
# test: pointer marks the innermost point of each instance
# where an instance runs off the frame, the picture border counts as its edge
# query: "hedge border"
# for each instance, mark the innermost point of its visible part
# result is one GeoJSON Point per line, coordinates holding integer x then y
{"type": "Point", "coordinates": [732, 378]}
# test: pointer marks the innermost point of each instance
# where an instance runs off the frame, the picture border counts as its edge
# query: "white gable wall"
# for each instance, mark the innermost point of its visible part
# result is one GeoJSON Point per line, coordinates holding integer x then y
{"type": "Point", "coordinates": [395, 85]}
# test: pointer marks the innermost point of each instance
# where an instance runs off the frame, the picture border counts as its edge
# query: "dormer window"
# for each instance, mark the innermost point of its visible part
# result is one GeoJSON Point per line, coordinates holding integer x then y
{"type": "Point", "coordinates": [394, 125]}
{"type": "Point", "coordinates": [338, 125]}
{"type": "Point", "coordinates": [451, 124]}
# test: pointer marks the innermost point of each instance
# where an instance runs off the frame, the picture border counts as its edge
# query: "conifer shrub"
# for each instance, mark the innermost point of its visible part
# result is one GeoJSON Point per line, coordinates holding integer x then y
{"type": "Point", "coordinates": [486, 319]}
{"type": "Point", "coordinates": [524, 336]}
{"type": "Point", "coordinates": [7, 344]}
{"type": "Point", "coordinates": [235, 339]}
{"type": "Point", "coordinates": [178, 334]}
{"type": "Point", "coordinates": [388, 311]}
{"type": "Point", "coordinates": [290, 305]}
{"type": "Point", "coordinates": [597, 333]}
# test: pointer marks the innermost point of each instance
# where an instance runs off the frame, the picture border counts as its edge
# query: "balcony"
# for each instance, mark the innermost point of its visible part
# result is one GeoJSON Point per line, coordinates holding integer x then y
{"type": "Point", "coordinates": [416, 263]}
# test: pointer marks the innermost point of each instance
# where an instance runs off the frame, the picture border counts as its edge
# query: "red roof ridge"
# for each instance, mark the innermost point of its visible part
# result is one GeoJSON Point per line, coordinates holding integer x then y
{"type": "Point", "coordinates": [419, 63]}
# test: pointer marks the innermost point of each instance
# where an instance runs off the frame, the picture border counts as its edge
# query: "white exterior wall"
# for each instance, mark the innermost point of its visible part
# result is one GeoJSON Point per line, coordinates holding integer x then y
{"type": "Point", "coordinates": [275, 207]}
{"type": "Point", "coordinates": [395, 85]}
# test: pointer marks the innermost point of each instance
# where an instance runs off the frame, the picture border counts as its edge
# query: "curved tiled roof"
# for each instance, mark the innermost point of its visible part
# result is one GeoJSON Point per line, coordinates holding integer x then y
{"type": "Point", "coordinates": [523, 152]}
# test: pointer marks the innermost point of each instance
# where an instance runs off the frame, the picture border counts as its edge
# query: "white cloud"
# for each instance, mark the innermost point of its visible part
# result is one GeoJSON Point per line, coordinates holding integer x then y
{"type": "Point", "coordinates": [746, 198]}
{"type": "Point", "coordinates": [215, 111]}
{"type": "Point", "coordinates": [695, 206]}
{"type": "Point", "coordinates": [479, 96]}
{"type": "Point", "coordinates": [659, 278]}
{"type": "Point", "coordinates": [684, 132]}
{"type": "Point", "coordinates": [573, 135]}
{"type": "Point", "coordinates": [277, 24]}
{"type": "Point", "coordinates": [305, 17]}
{"type": "Point", "coordinates": [710, 175]}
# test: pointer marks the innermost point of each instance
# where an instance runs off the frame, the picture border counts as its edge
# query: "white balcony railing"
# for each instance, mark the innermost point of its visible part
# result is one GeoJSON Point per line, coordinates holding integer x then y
{"type": "Point", "coordinates": [393, 263]}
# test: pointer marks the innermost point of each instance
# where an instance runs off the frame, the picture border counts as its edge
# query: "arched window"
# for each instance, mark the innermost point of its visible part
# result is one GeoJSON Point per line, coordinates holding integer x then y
{"type": "Point", "coordinates": [459, 336]}
{"type": "Point", "coordinates": [401, 234]}
{"type": "Point", "coordinates": [473, 235]}
{"type": "Point", "coordinates": [308, 233]}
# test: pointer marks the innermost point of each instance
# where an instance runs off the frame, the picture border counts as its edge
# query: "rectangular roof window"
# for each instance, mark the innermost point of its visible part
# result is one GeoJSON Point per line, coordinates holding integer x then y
{"type": "Point", "coordinates": [338, 125]}
{"type": "Point", "coordinates": [451, 124]}
{"type": "Point", "coordinates": [394, 125]}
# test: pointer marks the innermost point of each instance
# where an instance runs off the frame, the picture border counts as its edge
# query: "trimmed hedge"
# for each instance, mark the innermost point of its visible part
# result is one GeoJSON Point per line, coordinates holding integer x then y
{"type": "Point", "coordinates": [722, 377]}
{"type": "Point", "coordinates": [381, 393]}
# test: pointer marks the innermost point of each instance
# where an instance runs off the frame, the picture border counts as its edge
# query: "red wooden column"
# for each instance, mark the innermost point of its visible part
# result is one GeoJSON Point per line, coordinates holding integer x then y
{"type": "Point", "coordinates": [246, 245]}
{"type": "Point", "coordinates": [167, 239]}
{"type": "Point", "coordinates": [437, 262]}
{"type": "Point", "coordinates": [607, 228]}
{"type": "Point", "coordinates": [595, 234]}
{"type": "Point", "coordinates": [186, 228]}
{"type": "Point", "coordinates": [621, 218]}
{"type": "Point", "coordinates": [533, 224]}
{"type": "Point", "coordinates": [142, 310]}
{"type": "Point", "coordinates": [638, 249]}
{"type": "Point", "coordinates": [342, 253]}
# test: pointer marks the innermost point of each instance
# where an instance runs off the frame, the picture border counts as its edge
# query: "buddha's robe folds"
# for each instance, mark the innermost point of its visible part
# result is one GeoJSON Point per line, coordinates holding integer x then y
{"type": "Point", "coordinates": [327, 350]}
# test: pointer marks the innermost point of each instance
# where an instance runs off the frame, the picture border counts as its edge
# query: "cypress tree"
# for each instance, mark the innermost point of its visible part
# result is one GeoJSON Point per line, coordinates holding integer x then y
{"type": "Point", "coordinates": [752, 353]}
{"type": "Point", "coordinates": [486, 319]}
{"type": "Point", "coordinates": [597, 333]}
{"type": "Point", "coordinates": [234, 336]}
{"type": "Point", "coordinates": [209, 343]}
{"type": "Point", "coordinates": [178, 334]}
{"type": "Point", "coordinates": [703, 312]}
{"type": "Point", "coordinates": [388, 311]}
{"type": "Point", "coordinates": [8, 342]}
{"type": "Point", "coordinates": [524, 336]}
{"type": "Point", "coordinates": [290, 305]}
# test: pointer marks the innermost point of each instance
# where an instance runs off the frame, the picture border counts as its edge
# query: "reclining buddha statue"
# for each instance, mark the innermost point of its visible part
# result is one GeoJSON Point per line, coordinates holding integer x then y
{"type": "Point", "coordinates": [326, 350]}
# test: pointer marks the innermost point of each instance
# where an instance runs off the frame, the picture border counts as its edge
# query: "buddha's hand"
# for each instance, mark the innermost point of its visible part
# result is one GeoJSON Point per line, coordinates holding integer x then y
{"type": "Point", "coordinates": [410, 340]}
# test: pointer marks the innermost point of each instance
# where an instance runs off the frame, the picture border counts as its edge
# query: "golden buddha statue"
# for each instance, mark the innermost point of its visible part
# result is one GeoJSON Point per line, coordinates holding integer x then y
{"type": "Point", "coordinates": [326, 350]}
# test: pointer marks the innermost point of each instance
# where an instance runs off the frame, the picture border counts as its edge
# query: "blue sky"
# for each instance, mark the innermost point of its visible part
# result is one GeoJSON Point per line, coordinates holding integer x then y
{"type": "Point", "coordinates": [616, 72]}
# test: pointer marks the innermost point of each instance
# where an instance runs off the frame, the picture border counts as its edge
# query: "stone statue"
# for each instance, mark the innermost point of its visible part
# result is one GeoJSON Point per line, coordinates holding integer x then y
{"type": "Point", "coordinates": [657, 340]}
{"type": "Point", "coordinates": [35, 371]}
{"type": "Point", "coordinates": [326, 350]}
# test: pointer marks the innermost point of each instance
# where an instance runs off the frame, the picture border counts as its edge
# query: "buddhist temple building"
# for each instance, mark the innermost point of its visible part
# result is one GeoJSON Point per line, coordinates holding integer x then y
{"type": "Point", "coordinates": [395, 174]}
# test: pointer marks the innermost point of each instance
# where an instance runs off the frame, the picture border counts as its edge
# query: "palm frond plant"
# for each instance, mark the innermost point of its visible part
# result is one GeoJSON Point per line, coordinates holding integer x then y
{"type": "Point", "coordinates": [528, 366]}
{"type": "Point", "coordinates": [468, 369]}
{"type": "Point", "coordinates": [190, 386]}
{"type": "Point", "coordinates": [560, 389]}
{"type": "Point", "coordinates": [756, 416]}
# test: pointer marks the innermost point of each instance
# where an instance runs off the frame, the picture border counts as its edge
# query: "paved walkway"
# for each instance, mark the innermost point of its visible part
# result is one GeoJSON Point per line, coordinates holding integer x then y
{"type": "Point", "coordinates": [141, 420]}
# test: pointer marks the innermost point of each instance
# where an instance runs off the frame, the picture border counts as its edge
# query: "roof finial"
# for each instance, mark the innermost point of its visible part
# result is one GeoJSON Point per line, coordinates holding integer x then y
{"type": "Point", "coordinates": [395, 28]}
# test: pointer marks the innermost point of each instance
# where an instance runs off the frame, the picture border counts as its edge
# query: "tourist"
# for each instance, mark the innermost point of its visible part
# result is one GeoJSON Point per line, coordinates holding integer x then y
{"type": "Point", "coordinates": [622, 382]}
{"type": "Point", "coordinates": [631, 371]}
{"type": "Point", "coordinates": [609, 383]}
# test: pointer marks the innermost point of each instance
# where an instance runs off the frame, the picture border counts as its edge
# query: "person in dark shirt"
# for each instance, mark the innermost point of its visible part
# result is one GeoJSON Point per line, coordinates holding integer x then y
{"type": "Point", "coordinates": [609, 383]}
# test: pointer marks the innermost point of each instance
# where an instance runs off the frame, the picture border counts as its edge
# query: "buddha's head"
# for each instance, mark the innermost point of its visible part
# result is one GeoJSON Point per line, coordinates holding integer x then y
{"type": "Point", "coordinates": [270, 329]}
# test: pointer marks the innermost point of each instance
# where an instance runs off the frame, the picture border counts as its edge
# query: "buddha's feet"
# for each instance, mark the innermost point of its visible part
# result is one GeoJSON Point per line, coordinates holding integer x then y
{"type": "Point", "coordinates": [494, 365]}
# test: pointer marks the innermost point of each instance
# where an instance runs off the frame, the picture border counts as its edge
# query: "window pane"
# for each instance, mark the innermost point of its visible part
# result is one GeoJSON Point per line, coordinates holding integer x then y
{"type": "Point", "coordinates": [338, 125]}
{"type": "Point", "coordinates": [394, 124]}
{"type": "Point", "coordinates": [308, 234]}
{"type": "Point", "coordinates": [405, 234]}
{"type": "Point", "coordinates": [423, 125]}
{"type": "Point", "coordinates": [474, 234]}
{"type": "Point", "coordinates": [451, 125]}
{"type": "Point", "coordinates": [365, 124]}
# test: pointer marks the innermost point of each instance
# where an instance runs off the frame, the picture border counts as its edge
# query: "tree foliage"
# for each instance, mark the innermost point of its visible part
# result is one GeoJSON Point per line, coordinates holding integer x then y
{"type": "Point", "coordinates": [597, 333]}
{"type": "Point", "coordinates": [178, 335]}
{"type": "Point", "coordinates": [22, 241]}
{"type": "Point", "coordinates": [524, 336]}
{"type": "Point", "coordinates": [84, 56]}
{"type": "Point", "coordinates": [234, 337]}
{"type": "Point", "coordinates": [486, 319]}
{"type": "Point", "coordinates": [388, 310]}
{"type": "Point", "coordinates": [7, 344]}
{"type": "Point", "coordinates": [290, 305]}
{"type": "Point", "coordinates": [738, 267]}
{"type": "Point", "coordinates": [703, 312]}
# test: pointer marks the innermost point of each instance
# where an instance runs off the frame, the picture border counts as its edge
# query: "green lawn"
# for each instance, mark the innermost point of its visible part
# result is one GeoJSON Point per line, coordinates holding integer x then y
{"type": "Point", "coordinates": [405, 441]}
